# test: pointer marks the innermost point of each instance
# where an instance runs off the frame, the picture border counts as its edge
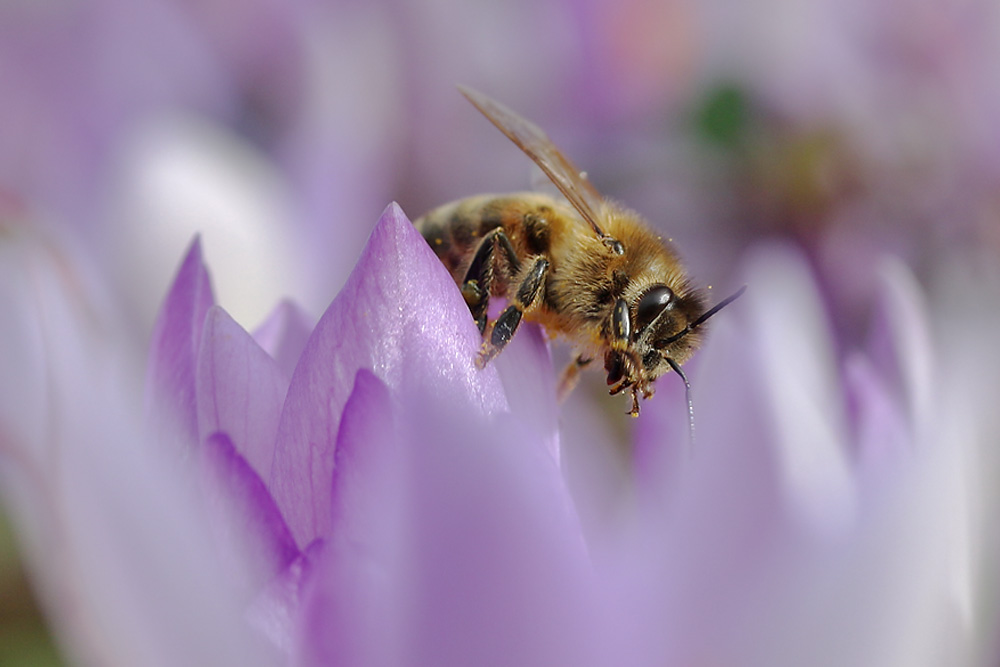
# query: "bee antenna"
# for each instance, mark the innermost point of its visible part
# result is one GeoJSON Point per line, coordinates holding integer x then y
{"type": "Point", "coordinates": [687, 395]}
{"type": "Point", "coordinates": [701, 320]}
{"type": "Point", "coordinates": [719, 306]}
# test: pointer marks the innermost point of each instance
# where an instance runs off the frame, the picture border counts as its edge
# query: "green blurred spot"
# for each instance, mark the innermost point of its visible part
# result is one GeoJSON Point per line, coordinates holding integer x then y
{"type": "Point", "coordinates": [723, 118]}
{"type": "Point", "coordinates": [24, 638]}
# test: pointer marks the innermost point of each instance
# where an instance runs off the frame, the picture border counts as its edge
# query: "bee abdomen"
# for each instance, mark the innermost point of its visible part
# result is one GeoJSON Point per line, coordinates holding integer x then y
{"type": "Point", "coordinates": [454, 230]}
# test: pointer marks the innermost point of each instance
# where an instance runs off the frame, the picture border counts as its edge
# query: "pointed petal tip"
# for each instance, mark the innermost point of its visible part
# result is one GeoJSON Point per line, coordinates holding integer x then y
{"type": "Point", "coordinates": [239, 388]}
{"type": "Point", "coordinates": [395, 224]}
{"type": "Point", "coordinates": [395, 211]}
{"type": "Point", "coordinates": [399, 315]}
{"type": "Point", "coordinates": [174, 345]}
{"type": "Point", "coordinates": [193, 260]}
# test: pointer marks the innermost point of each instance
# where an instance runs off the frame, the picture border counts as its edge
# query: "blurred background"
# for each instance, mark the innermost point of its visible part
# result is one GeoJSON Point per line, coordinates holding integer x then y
{"type": "Point", "coordinates": [279, 130]}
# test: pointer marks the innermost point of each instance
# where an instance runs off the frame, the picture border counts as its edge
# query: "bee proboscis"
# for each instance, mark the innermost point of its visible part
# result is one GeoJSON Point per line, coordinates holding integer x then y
{"type": "Point", "coordinates": [587, 269]}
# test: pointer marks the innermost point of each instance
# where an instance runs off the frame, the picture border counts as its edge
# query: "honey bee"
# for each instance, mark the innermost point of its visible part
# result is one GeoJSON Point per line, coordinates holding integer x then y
{"type": "Point", "coordinates": [587, 269]}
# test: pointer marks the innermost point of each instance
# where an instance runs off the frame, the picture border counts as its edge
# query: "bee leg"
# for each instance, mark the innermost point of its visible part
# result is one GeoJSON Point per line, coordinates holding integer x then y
{"type": "Point", "coordinates": [506, 324]}
{"type": "Point", "coordinates": [621, 326]}
{"type": "Point", "coordinates": [634, 412]}
{"type": "Point", "coordinates": [571, 375]}
{"type": "Point", "coordinates": [479, 276]}
{"type": "Point", "coordinates": [626, 368]}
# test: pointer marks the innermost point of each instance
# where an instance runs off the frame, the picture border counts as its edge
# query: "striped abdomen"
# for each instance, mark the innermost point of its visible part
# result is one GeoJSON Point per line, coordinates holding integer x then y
{"type": "Point", "coordinates": [455, 230]}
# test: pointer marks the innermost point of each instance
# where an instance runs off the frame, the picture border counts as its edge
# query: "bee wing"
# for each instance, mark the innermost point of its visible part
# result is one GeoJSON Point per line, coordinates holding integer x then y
{"type": "Point", "coordinates": [530, 138]}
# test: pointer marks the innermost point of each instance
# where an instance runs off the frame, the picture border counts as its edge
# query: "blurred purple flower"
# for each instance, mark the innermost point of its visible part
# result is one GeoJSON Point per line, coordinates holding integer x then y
{"type": "Point", "coordinates": [119, 549]}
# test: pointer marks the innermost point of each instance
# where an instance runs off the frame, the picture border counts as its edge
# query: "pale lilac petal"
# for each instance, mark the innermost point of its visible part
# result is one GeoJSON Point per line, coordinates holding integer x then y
{"type": "Point", "coordinates": [144, 575]}
{"type": "Point", "coordinates": [497, 565]}
{"type": "Point", "coordinates": [240, 390]}
{"type": "Point", "coordinates": [400, 316]}
{"type": "Point", "coordinates": [900, 343]}
{"type": "Point", "coordinates": [730, 567]}
{"type": "Point", "coordinates": [455, 541]}
{"type": "Point", "coordinates": [594, 458]}
{"type": "Point", "coordinates": [529, 381]}
{"type": "Point", "coordinates": [181, 174]}
{"type": "Point", "coordinates": [122, 555]}
{"type": "Point", "coordinates": [284, 334]}
{"type": "Point", "coordinates": [958, 439]}
{"type": "Point", "coordinates": [171, 406]}
{"type": "Point", "coordinates": [351, 613]}
{"type": "Point", "coordinates": [365, 451]}
{"type": "Point", "coordinates": [276, 613]}
{"type": "Point", "coordinates": [767, 472]}
{"type": "Point", "coordinates": [253, 539]}
{"type": "Point", "coordinates": [882, 431]}
{"type": "Point", "coordinates": [682, 580]}
{"type": "Point", "coordinates": [663, 445]}
{"type": "Point", "coordinates": [802, 385]}
{"type": "Point", "coordinates": [26, 350]}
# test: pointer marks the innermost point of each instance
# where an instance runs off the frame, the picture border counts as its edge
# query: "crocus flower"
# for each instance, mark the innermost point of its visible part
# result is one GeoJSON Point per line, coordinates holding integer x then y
{"type": "Point", "coordinates": [351, 490]}
{"type": "Point", "coordinates": [383, 501]}
{"type": "Point", "coordinates": [384, 399]}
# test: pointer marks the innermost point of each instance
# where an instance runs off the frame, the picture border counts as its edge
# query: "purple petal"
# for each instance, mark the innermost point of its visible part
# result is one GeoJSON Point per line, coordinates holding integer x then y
{"type": "Point", "coordinates": [254, 541]}
{"type": "Point", "coordinates": [276, 611]}
{"type": "Point", "coordinates": [710, 515]}
{"type": "Point", "coordinates": [881, 431]}
{"type": "Point", "coordinates": [240, 390]}
{"type": "Point", "coordinates": [349, 613]}
{"type": "Point", "coordinates": [900, 345]}
{"type": "Point", "coordinates": [592, 461]}
{"type": "Point", "coordinates": [802, 386]}
{"type": "Point", "coordinates": [122, 554]}
{"type": "Point", "coordinates": [400, 316]}
{"type": "Point", "coordinates": [663, 444]}
{"type": "Point", "coordinates": [365, 447]}
{"type": "Point", "coordinates": [171, 406]}
{"type": "Point", "coordinates": [455, 541]}
{"type": "Point", "coordinates": [767, 473]}
{"type": "Point", "coordinates": [497, 564]}
{"type": "Point", "coordinates": [284, 334]}
{"type": "Point", "coordinates": [529, 380]}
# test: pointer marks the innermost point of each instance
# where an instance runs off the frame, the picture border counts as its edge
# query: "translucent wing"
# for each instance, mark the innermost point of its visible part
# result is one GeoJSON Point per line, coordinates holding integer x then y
{"type": "Point", "coordinates": [564, 174]}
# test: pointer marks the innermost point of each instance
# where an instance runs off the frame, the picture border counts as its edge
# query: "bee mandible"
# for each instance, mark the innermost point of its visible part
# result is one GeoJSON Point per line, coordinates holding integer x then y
{"type": "Point", "coordinates": [587, 269]}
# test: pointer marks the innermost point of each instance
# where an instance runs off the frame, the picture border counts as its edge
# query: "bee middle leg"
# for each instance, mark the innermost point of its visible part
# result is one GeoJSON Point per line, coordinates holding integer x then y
{"type": "Point", "coordinates": [478, 281]}
{"type": "Point", "coordinates": [506, 324]}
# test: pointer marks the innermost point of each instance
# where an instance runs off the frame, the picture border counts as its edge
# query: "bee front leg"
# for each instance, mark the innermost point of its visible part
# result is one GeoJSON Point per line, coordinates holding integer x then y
{"type": "Point", "coordinates": [479, 276]}
{"type": "Point", "coordinates": [508, 321]}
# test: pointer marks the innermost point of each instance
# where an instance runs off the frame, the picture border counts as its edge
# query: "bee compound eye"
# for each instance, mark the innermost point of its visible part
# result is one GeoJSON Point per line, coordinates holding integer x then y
{"type": "Point", "coordinates": [653, 302]}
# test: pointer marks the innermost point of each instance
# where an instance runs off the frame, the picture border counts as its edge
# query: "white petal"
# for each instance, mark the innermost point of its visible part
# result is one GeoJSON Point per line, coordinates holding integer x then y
{"type": "Point", "coordinates": [800, 376]}
{"type": "Point", "coordinates": [181, 176]}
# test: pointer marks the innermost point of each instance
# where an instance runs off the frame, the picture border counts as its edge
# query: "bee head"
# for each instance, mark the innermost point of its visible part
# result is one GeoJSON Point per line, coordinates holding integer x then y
{"type": "Point", "coordinates": [660, 332]}
{"type": "Point", "coordinates": [664, 327]}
